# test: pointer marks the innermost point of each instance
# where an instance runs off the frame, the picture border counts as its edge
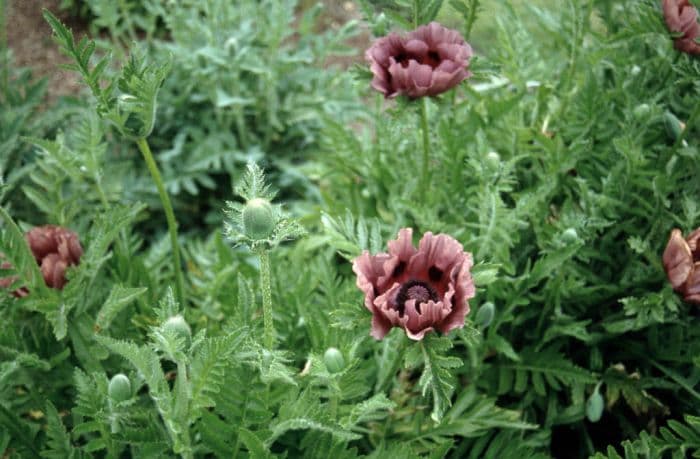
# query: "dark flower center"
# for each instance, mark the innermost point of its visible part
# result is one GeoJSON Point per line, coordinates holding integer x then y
{"type": "Point", "coordinates": [414, 290]}
{"type": "Point", "coordinates": [431, 58]}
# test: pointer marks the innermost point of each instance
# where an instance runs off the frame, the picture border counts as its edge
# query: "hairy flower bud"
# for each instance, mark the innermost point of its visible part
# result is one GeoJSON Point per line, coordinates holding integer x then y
{"type": "Point", "coordinates": [594, 406]}
{"type": "Point", "coordinates": [641, 112]}
{"type": "Point", "coordinates": [674, 127]}
{"type": "Point", "coordinates": [334, 361]}
{"type": "Point", "coordinates": [178, 326]}
{"type": "Point", "coordinates": [485, 314]}
{"type": "Point", "coordinates": [258, 218]}
{"type": "Point", "coordinates": [119, 388]}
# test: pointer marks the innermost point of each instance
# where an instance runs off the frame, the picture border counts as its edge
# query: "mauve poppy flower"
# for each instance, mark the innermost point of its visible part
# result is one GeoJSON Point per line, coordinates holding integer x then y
{"type": "Point", "coordinates": [428, 61]}
{"type": "Point", "coordinates": [682, 18]}
{"type": "Point", "coordinates": [681, 261]}
{"type": "Point", "coordinates": [418, 290]}
{"type": "Point", "coordinates": [54, 248]}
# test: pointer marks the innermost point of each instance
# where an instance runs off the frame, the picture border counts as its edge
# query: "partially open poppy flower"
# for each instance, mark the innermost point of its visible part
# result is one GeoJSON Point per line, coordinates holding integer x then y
{"type": "Point", "coordinates": [54, 248]}
{"type": "Point", "coordinates": [428, 61]}
{"type": "Point", "coordinates": [681, 261]}
{"type": "Point", "coordinates": [682, 19]}
{"type": "Point", "coordinates": [417, 290]}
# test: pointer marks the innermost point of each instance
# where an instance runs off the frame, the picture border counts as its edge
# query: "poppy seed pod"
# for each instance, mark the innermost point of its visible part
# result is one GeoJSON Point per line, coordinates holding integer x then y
{"type": "Point", "coordinates": [119, 388]}
{"type": "Point", "coordinates": [426, 62]}
{"type": "Point", "coordinates": [682, 20]}
{"type": "Point", "coordinates": [55, 249]}
{"type": "Point", "coordinates": [419, 290]}
{"type": "Point", "coordinates": [681, 261]}
{"type": "Point", "coordinates": [258, 218]}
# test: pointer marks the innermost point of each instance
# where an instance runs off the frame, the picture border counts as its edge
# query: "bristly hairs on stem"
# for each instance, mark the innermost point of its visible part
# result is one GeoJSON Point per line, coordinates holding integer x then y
{"type": "Point", "coordinates": [262, 226]}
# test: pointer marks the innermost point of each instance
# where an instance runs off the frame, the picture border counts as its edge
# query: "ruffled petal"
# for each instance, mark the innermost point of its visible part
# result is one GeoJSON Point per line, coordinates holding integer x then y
{"type": "Point", "coordinates": [677, 259]}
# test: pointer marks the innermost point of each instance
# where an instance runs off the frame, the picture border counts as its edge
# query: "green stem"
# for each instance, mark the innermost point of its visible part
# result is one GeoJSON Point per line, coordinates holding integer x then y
{"type": "Point", "coordinates": [265, 285]}
{"type": "Point", "coordinates": [169, 216]}
{"type": "Point", "coordinates": [425, 175]}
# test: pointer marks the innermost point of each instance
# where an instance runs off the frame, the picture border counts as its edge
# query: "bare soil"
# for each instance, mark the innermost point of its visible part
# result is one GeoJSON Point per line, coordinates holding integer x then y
{"type": "Point", "coordinates": [29, 37]}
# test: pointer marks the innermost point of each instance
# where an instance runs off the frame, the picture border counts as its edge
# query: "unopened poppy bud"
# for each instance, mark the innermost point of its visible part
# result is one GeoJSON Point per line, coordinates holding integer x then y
{"type": "Point", "coordinates": [641, 112]}
{"type": "Point", "coordinates": [673, 125]}
{"type": "Point", "coordinates": [119, 388]}
{"type": "Point", "coordinates": [178, 326]}
{"type": "Point", "coordinates": [333, 359]}
{"type": "Point", "coordinates": [493, 160]}
{"type": "Point", "coordinates": [569, 236]}
{"type": "Point", "coordinates": [485, 314]}
{"type": "Point", "coordinates": [258, 218]}
{"type": "Point", "coordinates": [594, 406]}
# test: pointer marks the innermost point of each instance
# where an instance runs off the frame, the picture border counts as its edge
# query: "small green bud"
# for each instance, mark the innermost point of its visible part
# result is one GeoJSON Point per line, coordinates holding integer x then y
{"type": "Point", "coordinates": [594, 406]}
{"type": "Point", "coordinates": [119, 388]}
{"type": "Point", "coordinates": [674, 127]}
{"type": "Point", "coordinates": [569, 236]}
{"type": "Point", "coordinates": [178, 326]}
{"type": "Point", "coordinates": [381, 25]}
{"type": "Point", "coordinates": [493, 160]}
{"type": "Point", "coordinates": [258, 218]}
{"type": "Point", "coordinates": [641, 112]}
{"type": "Point", "coordinates": [334, 360]}
{"type": "Point", "coordinates": [485, 314]}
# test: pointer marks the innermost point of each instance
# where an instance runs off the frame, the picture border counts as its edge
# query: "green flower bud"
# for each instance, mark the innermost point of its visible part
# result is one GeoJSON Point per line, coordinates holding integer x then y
{"type": "Point", "coordinates": [258, 219]}
{"type": "Point", "coordinates": [334, 360]}
{"type": "Point", "coordinates": [569, 236]}
{"type": "Point", "coordinates": [641, 112]}
{"type": "Point", "coordinates": [485, 314]}
{"type": "Point", "coordinates": [673, 125]}
{"type": "Point", "coordinates": [177, 325]}
{"type": "Point", "coordinates": [119, 388]}
{"type": "Point", "coordinates": [594, 406]}
{"type": "Point", "coordinates": [493, 160]}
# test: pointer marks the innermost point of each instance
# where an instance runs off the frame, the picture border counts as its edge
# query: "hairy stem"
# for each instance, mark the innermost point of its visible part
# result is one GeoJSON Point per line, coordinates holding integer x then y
{"type": "Point", "coordinates": [266, 287]}
{"type": "Point", "coordinates": [169, 216]}
{"type": "Point", "coordinates": [425, 175]}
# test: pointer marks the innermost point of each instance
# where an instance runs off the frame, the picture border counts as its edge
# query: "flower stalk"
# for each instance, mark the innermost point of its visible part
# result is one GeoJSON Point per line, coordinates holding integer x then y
{"type": "Point", "coordinates": [266, 288]}
{"type": "Point", "coordinates": [425, 174]}
{"type": "Point", "coordinates": [169, 215]}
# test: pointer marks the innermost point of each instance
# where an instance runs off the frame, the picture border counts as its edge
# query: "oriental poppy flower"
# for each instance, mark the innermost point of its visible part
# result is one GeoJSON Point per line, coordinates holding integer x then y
{"type": "Point", "coordinates": [54, 248]}
{"type": "Point", "coordinates": [681, 261]}
{"type": "Point", "coordinates": [428, 61]}
{"type": "Point", "coordinates": [418, 290]}
{"type": "Point", "coordinates": [682, 19]}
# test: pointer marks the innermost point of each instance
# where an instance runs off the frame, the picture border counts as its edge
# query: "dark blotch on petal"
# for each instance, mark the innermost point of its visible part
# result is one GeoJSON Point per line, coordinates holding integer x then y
{"type": "Point", "coordinates": [435, 274]}
{"type": "Point", "coordinates": [400, 268]}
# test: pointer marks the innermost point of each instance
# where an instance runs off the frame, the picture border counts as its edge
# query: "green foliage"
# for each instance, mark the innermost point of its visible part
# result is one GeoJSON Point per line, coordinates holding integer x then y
{"type": "Point", "coordinates": [561, 165]}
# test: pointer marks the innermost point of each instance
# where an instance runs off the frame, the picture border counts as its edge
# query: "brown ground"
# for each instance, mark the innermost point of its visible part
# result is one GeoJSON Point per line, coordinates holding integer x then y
{"type": "Point", "coordinates": [29, 37]}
